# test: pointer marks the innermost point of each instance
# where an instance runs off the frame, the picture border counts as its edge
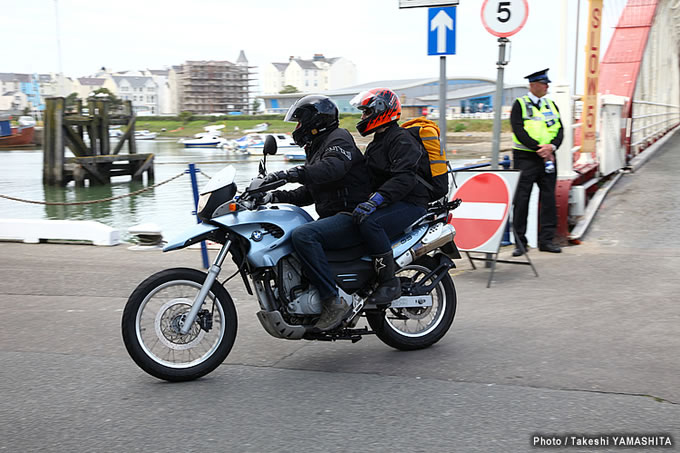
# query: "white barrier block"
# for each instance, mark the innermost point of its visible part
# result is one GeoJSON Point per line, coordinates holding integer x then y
{"type": "Point", "coordinates": [33, 231]}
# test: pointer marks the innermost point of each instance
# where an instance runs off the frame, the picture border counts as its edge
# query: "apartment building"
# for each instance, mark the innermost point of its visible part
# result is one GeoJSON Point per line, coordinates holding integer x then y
{"type": "Point", "coordinates": [141, 90]}
{"type": "Point", "coordinates": [207, 87]}
{"type": "Point", "coordinates": [313, 75]}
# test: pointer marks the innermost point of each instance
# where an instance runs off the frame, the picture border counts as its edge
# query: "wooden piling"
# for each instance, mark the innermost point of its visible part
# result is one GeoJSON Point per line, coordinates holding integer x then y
{"type": "Point", "coordinates": [97, 163]}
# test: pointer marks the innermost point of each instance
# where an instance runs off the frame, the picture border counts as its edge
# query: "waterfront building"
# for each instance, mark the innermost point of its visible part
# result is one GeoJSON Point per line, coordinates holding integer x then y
{"type": "Point", "coordinates": [20, 89]}
{"type": "Point", "coordinates": [141, 90]}
{"type": "Point", "coordinates": [318, 74]}
{"type": "Point", "coordinates": [84, 86]}
{"type": "Point", "coordinates": [53, 84]}
{"type": "Point", "coordinates": [13, 102]}
{"type": "Point", "coordinates": [465, 96]}
{"type": "Point", "coordinates": [212, 87]}
{"type": "Point", "coordinates": [165, 104]}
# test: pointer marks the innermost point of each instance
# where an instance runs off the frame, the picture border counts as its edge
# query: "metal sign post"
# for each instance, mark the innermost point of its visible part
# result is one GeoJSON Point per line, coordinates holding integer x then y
{"type": "Point", "coordinates": [442, 41]}
{"type": "Point", "coordinates": [497, 103]}
{"type": "Point", "coordinates": [502, 19]}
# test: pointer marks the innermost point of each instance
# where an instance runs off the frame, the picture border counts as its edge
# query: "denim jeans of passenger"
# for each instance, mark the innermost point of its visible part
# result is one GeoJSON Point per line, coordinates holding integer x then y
{"type": "Point", "coordinates": [386, 224]}
{"type": "Point", "coordinates": [339, 232]}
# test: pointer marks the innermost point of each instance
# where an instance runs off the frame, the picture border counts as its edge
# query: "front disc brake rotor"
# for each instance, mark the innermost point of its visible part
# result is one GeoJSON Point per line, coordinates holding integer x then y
{"type": "Point", "coordinates": [168, 323]}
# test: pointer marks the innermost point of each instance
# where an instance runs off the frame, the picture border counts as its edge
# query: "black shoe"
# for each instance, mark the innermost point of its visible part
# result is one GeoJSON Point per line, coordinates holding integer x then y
{"type": "Point", "coordinates": [518, 251]}
{"type": "Point", "coordinates": [389, 286]}
{"type": "Point", "coordinates": [549, 247]}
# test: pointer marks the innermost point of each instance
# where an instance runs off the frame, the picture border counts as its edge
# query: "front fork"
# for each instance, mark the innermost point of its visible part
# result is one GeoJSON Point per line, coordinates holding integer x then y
{"type": "Point", "coordinates": [213, 272]}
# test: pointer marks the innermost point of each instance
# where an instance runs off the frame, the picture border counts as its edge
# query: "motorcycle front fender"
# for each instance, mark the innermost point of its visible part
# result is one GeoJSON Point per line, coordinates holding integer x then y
{"type": "Point", "coordinates": [195, 234]}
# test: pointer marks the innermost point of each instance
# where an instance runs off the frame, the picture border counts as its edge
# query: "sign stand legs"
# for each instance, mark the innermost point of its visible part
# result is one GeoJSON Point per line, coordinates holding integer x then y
{"type": "Point", "coordinates": [493, 259]}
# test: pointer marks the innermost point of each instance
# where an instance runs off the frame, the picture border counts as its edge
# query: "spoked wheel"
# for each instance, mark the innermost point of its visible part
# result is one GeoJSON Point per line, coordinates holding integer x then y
{"type": "Point", "coordinates": [417, 328]}
{"type": "Point", "coordinates": [154, 315]}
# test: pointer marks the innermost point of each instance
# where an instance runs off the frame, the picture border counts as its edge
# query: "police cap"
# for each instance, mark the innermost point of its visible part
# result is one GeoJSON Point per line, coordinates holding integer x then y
{"type": "Point", "coordinates": [539, 76]}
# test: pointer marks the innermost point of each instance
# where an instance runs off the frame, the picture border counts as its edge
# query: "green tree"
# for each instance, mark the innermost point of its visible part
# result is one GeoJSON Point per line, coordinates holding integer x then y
{"type": "Point", "coordinates": [289, 89]}
{"type": "Point", "coordinates": [70, 100]}
{"type": "Point", "coordinates": [185, 117]}
{"type": "Point", "coordinates": [256, 106]}
{"type": "Point", "coordinates": [115, 101]}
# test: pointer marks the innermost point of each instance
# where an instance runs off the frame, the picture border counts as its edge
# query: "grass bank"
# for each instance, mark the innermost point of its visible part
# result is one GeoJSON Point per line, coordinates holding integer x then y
{"type": "Point", "coordinates": [234, 127]}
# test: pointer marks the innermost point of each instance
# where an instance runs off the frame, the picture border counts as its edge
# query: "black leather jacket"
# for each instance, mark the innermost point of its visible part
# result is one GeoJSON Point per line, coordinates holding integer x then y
{"type": "Point", "coordinates": [334, 176]}
{"type": "Point", "coordinates": [394, 157]}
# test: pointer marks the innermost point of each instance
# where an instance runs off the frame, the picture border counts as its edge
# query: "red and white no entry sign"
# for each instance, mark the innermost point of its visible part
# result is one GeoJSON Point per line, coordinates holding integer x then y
{"type": "Point", "coordinates": [480, 220]}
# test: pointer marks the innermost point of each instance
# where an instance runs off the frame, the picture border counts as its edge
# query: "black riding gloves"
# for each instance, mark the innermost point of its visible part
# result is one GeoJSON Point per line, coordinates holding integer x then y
{"type": "Point", "coordinates": [367, 208]}
{"type": "Point", "coordinates": [294, 174]}
{"type": "Point", "coordinates": [273, 177]}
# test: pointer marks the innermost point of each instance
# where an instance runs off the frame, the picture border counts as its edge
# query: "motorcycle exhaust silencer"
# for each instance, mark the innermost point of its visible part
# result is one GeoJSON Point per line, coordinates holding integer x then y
{"type": "Point", "coordinates": [436, 237]}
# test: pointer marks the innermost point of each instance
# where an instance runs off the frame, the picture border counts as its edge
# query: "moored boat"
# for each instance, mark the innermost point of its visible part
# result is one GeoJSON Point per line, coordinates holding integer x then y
{"type": "Point", "coordinates": [253, 143]}
{"type": "Point", "coordinates": [211, 138]}
{"type": "Point", "coordinates": [16, 136]}
{"type": "Point", "coordinates": [145, 135]}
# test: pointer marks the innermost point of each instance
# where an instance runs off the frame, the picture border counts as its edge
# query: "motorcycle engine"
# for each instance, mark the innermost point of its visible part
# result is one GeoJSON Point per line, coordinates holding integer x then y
{"type": "Point", "coordinates": [302, 300]}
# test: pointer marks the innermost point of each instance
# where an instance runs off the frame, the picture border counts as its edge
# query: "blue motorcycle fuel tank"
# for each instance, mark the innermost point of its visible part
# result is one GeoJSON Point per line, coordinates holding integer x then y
{"type": "Point", "coordinates": [268, 230]}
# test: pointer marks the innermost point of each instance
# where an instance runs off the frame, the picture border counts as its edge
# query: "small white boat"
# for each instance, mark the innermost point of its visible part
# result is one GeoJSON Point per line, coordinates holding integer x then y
{"type": "Point", "coordinates": [258, 128]}
{"type": "Point", "coordinates": [145, 135]}
{"type": "Point", "coordinates": [211, 138]}
{"type": "Point", "coordinates": [254, 143]}
{"type": "Point", "coordinates": [115, 132]}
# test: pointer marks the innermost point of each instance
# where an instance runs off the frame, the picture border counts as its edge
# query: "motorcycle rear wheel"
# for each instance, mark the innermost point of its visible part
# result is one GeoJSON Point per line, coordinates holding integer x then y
{"type": "Point", "coordinates": [150, 326]}
{"type": "Point", "coordinates": [409, 329]}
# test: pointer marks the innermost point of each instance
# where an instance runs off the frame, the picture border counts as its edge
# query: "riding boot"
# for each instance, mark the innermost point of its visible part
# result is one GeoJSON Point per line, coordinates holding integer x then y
{"type": "Point", "coordinates": [389, 287]}
{"type": "Point", "coordinates": [332, 314]}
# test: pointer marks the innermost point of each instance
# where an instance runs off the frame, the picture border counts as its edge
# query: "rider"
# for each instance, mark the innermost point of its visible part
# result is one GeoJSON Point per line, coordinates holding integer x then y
{"type": "Point", "coordinates": [393, 158]}
{"type": "Point", "coordinates": [335, 179]}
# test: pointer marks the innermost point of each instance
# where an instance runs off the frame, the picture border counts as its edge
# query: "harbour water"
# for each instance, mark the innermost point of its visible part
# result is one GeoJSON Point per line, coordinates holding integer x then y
{"type": "Point", "coordinates": [169, 206]}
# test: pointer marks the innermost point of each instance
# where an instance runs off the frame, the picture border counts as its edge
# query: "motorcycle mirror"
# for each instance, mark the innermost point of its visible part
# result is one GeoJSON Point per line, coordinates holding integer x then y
{"type": "Point", "coordinates": [269, 145]}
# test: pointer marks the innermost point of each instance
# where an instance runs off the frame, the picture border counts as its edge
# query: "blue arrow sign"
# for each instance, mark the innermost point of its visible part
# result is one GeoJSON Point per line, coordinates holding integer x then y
{"type": "Point", "coordinates": [441, 31]}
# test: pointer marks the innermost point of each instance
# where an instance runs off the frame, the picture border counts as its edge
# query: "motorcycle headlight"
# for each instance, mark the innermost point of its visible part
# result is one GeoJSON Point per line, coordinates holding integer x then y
{"type": "Point", "coordinates": [202, 201]}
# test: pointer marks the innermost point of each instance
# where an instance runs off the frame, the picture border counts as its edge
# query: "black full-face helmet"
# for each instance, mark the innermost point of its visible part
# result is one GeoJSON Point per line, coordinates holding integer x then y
{"type": "Point", "coordinates": [314, 115]}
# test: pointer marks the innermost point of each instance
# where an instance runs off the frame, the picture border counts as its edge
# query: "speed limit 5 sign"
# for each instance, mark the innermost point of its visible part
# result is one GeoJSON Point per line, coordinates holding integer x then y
{"type": "Point", "coordinates": [504, 18]}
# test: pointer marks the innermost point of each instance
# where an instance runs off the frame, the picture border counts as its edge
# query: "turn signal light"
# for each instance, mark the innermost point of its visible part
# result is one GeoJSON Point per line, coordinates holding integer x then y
{"type": "Point", "coordinates": [233, 207]}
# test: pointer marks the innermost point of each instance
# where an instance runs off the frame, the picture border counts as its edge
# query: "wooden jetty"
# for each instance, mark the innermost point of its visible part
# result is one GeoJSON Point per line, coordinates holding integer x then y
{"type": "Point", "coordinates": [96, 162]}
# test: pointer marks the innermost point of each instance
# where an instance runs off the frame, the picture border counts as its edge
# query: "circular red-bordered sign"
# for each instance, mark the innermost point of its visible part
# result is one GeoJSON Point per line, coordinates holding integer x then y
{"type": "Point", "coordinates": [504, 18]}
{"type": "Point", "coordinates": [486, 198]}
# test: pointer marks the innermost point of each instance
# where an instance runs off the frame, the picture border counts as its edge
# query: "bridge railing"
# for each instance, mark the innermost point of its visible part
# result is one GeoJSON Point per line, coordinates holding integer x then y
{"type": "Point", "coordinates": [649, 122]}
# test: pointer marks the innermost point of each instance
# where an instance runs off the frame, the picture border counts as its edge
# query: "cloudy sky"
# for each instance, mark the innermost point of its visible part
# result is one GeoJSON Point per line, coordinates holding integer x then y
{"type": "Point", "coordinates": [384, 42]}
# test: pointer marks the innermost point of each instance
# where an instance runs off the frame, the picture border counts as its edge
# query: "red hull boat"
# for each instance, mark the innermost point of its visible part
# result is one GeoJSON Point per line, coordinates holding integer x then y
{"type": "Point", "coordinates": [20, 136]}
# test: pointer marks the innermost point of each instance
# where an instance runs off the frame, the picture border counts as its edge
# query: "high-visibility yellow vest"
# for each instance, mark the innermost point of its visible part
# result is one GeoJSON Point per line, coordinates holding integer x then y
{"type": "Point", "coordinates": [541, 124]}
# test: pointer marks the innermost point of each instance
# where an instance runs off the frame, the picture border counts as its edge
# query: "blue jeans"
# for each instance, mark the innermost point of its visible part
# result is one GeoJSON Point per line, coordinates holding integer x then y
{"type": "Point", "coordinates": [309, 241]}
{"type": "Point", "coordinates": [386, 224]}
{"type": "Point", "coordinates": [339, 232]}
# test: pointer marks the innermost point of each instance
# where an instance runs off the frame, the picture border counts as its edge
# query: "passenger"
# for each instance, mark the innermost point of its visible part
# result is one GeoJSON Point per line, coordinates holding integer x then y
{"type": "Point", "coordinates": [334, 178]}
{"type": "Point", "coordinates": [393, 158]}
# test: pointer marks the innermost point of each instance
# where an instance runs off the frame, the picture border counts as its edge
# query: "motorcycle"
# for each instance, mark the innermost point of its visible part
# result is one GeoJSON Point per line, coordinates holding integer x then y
{"type": "Point", "coordinates": [180, 324]}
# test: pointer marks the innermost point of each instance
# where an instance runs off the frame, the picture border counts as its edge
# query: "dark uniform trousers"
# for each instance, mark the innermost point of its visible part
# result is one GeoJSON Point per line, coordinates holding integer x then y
{"type": "Point", "coordinates": [533, 171]}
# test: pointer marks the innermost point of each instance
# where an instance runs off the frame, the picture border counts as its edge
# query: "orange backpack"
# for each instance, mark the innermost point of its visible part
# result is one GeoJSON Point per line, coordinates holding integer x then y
{"type": "Point", "coordinates": [427, 134]}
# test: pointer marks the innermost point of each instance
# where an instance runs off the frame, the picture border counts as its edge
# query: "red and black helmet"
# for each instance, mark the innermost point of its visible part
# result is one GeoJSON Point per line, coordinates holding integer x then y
{"type": "Point", "coordinates": [380, 106]}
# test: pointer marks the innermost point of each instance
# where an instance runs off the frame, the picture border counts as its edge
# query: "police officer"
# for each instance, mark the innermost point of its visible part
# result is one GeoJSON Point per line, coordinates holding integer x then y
{"type": "Point", "coordinates": [536, 133]}
{"type": "Point", "coordinates": [334, 178]}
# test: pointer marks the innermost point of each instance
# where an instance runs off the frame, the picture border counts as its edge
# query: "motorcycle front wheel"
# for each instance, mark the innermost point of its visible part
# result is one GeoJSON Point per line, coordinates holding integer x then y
{"type": "Point", "coordinates": [408, 329]}
{"type": "Point", "coordinates": [152, 319]}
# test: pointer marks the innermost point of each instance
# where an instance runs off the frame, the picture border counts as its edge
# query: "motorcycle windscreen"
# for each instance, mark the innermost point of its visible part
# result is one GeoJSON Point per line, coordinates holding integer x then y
{"type": "Point", "coordinates": [193, 235]}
